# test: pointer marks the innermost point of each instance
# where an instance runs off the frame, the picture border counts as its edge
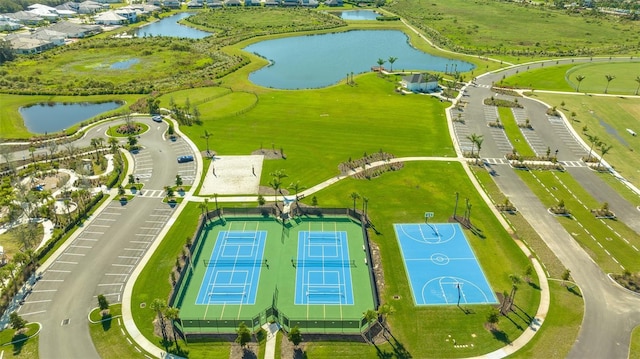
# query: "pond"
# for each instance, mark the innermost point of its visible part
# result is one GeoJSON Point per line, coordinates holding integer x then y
{"type": "Point", "coordinates": [317, 61]}
{"type": "Point", "coordinates": [123, 65]}
{"type": "Point", "coordinates": [56, 116]}
{"type": "Point", "coordinates": [357, 15]}
{"type": "Point", "coordinates": [169, 27]}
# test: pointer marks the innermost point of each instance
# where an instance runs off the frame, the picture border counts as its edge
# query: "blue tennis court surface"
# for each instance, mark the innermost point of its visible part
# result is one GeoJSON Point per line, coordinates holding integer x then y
{"type": "Point", "coordinates": [323, 268]}
{"type": "Point", "coordinates": [441, 266]}
{"type": "Point", "coordinates": [233, 271]}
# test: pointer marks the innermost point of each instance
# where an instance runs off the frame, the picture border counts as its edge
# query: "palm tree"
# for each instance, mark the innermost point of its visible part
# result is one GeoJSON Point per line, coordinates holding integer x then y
{"type": "Point", "coordinates": [604, 149]}
{"type": "Point", "coordinates": [609, 79]}
{"type": "Point", "coordinates": [637, 79]}
{"type": "Point", "coordinates": [479, 141]}
{"type": "Point", "coordinates": [370, 315]}
{"type": "Point", "coordinates": [380, 63]}
{"type": "Point", "coordinates": [113, 143]}
{"type": "Point", "coordinates": [203, 208]}
{"type": "Point", "coordinates": [474, 139]}
{"type": "Point", "coordinates": [276, 183]}
{"type": "Point", "coordinates": [579, 78]}
{"type": "Point", "coordinates": [173, 314]}
{"type": "Point", "coordinates": [206, 136]}
{"type": "Point", "coordinates": [595, 141]}
{"type": "Point", "coordinates": [385, 311]}
{"type": "Point", "coordinates": [296, 187]}
{"type": "Point", "coordinates": [515, 280]}
{"type": "Point", "coordinates": [159, 305]}
{"type": "Point", "coordinates": [95, 143]}
{"type": "Point", "coordinates": [215, 198]}
{"type": "Point", "coordinates": [391, 60]}
{"type": "Point", "coordinates": [354, 197]}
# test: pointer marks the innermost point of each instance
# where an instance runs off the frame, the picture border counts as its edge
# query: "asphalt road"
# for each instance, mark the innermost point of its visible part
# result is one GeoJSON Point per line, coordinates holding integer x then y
{"type": "Point", "coordinates": [100, 257]}
{"type": "Point", "coordinates": [611, 313]}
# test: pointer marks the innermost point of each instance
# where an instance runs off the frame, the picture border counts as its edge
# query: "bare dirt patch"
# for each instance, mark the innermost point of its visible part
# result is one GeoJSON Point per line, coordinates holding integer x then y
{"type": "Point", "coordinates": [269, 154]}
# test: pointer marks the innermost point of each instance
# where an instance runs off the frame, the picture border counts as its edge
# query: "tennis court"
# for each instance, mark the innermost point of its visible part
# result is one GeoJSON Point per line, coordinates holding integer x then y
{"type": "Point", "coordinates": [233, 271]}
{"type": "Point", "coordinates": [311, 272]}
{"type": "Point", "coordinates": [441, 266]}
{"type": "Point", "coordinates": [323, 273]}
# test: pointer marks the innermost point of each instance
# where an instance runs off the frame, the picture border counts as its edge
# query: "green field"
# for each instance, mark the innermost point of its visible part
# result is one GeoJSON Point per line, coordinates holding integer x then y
{"type": "Point", "coordinates": [608, 118]}
{"type": "Point", "coordinates": [515, 30]}
{"type": "Point", "coordinates": [634, 350]}
{"type": "Point", "coordinates": [277, 275]}
{"type": "Point", "coordinates": [563, 78]}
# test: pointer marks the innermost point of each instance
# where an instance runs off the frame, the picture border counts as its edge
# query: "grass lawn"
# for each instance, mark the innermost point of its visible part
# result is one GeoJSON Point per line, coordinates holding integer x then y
{"type": "Point", "coordinates": [10, 239]}
{"type": "Point", "coordinates": [496, 28]}
{"type": "Point", "coordinates": [560, 328]}
{"type": "Point", "coordinates": [24, 349]}
{"type": "Point", "coordinates": [12, 125]}
{"type": "Point", "coordinates": [561, 186]}
{"type": "Point", "coordinates": [107, 335]}
{"type": "Point", "coordinates": [335, 124]}
{"type": "Point", "coordinates": [634, 350]}
{"type": "Point", "coordinates": [513, 132]}
{"type": "Point", "coordinates": [608, 118]}
{"type": "Point", "coordinates": [433, 183]}
{"type": "Point", "coordinates": [563, 78]}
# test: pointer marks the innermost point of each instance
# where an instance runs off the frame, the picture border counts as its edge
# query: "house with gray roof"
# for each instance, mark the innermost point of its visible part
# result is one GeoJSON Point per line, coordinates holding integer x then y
{"type": "Point", "coordinates": [290, 2]}
{"type": "Point", "coordinates": [214, 4]}
{"type": "Point", "coordinates": [91, 7]}
{"type": "Point", "coordinates": [28, 45]}
{"type": "Point", "coordinates": [252, 3]}
{"type": "Point", "coordinates": [232, 3]}
{"type": "Point", "coordinates": [333, 3]}
{"type": "Point", "coordinates": [174, 4]}
{"type": "Point", "coordinates": [110, 18]}
{"type": "Point", "coordinates": [271, 3]}
{"type": "Point", "coordinates": [57, 38]}
{"type": "Point", "coordinates": [25, 18]}
{"type": "Point", "coordinates": [309, 3]}
{"type": "Point", "coordinates": [75, 31]}
{"type": "Point", "coordinates": [8, 24]}
{"type": "Point", "coordinates": [422, 82]}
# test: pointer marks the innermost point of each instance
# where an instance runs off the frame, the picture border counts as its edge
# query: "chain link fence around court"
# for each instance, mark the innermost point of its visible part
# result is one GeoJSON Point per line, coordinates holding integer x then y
{"type": "Point", "coordinates": [195, 326]}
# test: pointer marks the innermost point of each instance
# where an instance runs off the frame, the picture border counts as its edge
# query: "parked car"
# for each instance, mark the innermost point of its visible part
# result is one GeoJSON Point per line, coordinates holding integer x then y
{"type": "Point", "coordinates": [186, 158]}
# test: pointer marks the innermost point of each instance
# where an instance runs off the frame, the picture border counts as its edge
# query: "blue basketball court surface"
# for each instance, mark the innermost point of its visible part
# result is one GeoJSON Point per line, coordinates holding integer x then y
{"type": "Point", "coordinates": [233, 271]}
{"type": "Point", "coordinates": [441, 266]}
{"type": "Point", "coordinates": [323, 269]}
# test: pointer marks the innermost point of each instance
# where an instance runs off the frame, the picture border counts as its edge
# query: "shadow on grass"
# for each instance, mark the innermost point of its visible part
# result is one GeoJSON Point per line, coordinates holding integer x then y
{"type": "Point", "coordinates": [534, 285]}
{"type": "Point", "coordinates": [19, 340]}
{"type": "Point", "coordinates": [572, 290]}
{"type": "Point", "coordinates": [399, 351]}
{"type": "Point", "coordinates": [501, 336]}
{"type": "Point", "coordinates": [106, 322]}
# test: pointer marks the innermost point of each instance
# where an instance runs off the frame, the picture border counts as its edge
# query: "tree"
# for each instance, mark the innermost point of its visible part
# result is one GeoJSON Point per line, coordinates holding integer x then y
{"type": "Point", "coordinates": [178, 181]}
{"type": "Point", "coordinates": [6, 52]}
{"type": "Point", "coordinates": [276, 183]}
{"type": "Point", "coordinates": [604, 149]}
{"type": "Point", "coordinates": [595, 141]}
{"type": "Point", "coordinates": [493, 317]}
{"type": "Point", "coordinates": [515, 280]}
{"type": "Point", "coordinates": [172, 314]}
{"type": "Point", "coordinates": [102, 302]}
{"type": "Point", "coordinates": [153, 104]}
{"type": "Point", "coordinates": [479, 141]}
{"type": "Point", "coordinates": [380, 63]}
{"type": "Point", "coordinates": [132, 141]}
{"type": "Point", "coordinates": [159, 305]}
{"type": "Point", "coordinates": [95, 143]}
{"type": "Point", "coordinates": [370, 315]}
{"type": "Point", "coordinates": [354, 197]}
{"type": "Point", "coordinates": [296, 187]}
{"type": "Point", "coordinates": [565, 276]}
{"type": "Point", "coordinates": [474, 139]}
{"type": "Point", "coordinates": [384, 311]}
{"type": "Point", "coordinates": [579, 78]}
{"type": "Point", "coordinates": [16, 321]}
{"type": "Point", "coordinates": [314, 201]}
{"type": "Point", "coordinates": [244, 335]}
{"type": "Point", "coordinates": [391, 60]}
{"type": "Point", "coordinates": [206, 136]}
{"type": "Point", "coordinates": [637, 79]}
{"type": "Point", "coordinates": [113, 144]}
{"type": "Point", "coordinates": [528, 271]}
{"type": "Point", "coordinates": [295, 336]}
{"type": "Point", "coordinates": [169, 191]}
{"type": "Point", "coordinates": [609, 79]}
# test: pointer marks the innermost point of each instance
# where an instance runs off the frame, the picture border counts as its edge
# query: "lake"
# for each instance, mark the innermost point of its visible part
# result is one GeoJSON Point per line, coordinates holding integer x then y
{"type": "Point", "coordinates": [357, 15]}
{"type": "Point", "coordinates": [53, 117]}
{"type": "Point", "coordinates": [169, 27]}
{"type": "Point", "coordinates": [316, 61]}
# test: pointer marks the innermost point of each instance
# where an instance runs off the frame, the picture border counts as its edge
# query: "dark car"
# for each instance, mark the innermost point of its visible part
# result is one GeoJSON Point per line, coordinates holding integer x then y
{"type": "Point", "coordinates": [183, 159]}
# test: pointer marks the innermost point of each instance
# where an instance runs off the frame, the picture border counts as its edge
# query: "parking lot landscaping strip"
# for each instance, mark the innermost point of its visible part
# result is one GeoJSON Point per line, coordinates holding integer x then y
{"type": "Point", "coordinates": [108, 336]}
{"type": "Point", "coordinates": [513, 132]}
{"type": "Point", "coordinates": [551, 187]}
{"type": "Point", "coordinates": [20, 348]}
{"type": "Point", "coordinates": [634, 350]}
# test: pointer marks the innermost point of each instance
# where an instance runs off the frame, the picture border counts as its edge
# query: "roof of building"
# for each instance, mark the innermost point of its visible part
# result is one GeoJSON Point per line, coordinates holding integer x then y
{"type": "Point", "coordinates": [419, 78]}
{"type": "Point", "coordinates": [109, 16]}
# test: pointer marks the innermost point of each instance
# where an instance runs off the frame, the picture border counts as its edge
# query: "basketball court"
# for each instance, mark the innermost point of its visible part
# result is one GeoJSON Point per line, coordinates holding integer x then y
{"type": "Point", "coordinates": [441, 266]}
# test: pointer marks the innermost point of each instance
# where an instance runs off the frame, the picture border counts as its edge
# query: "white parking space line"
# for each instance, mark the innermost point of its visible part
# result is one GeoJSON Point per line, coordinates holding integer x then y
{"type": "Point", "coordinates": [43, 290]}
{"type": "Point", "coordinates": [58, 271]}
{"type": "Point", "coordinates": [108, 284]}
{"type": "Point", "coordinates": [88, 239]}
{"type": "Point", "coordinates": [107, 294]}
{"type": "Point", "coordinates": [155, 221]}
{"type": "Point", "coordinates": [93, 232]}
{"type": "Point", "coordinates": [33, 313]}
{"type": "Point", "coordinates": [122, 265]}
{"type": "Point", "coordinates": [38, 301]}
{"type": "Point", "coordinates": [139, 242]}
{"type": "Point", "coordinates": [135, 249]}
{"type": "Point", "coordinates": [116, 274]}
{"type": "Point", "coordinates": [151, 228]}
{"type": "Point", "coordinates": [102, 225]}
{"type": "Point", "coordinates": [104, 219]}
{"type": "Point", "coordinates": [79, 246]}
{"type": "Point", "coordinates": [65, 262]}
{"type": "Point", "coordinates": [129, 257]}
{"type": "Point", "coordinates": [144, 235]}
{"type": "Point", "coordinates": [74, 254]}
{"type": "Point", "coordinates": [51, 280]}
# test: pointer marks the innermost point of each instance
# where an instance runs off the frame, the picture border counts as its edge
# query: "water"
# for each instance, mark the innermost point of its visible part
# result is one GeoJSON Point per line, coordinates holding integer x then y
{"type": "Point", "coordinates": [48, 118]}
{"type": "Point", "coordinates": [317, 61]}
{"type": "Point", "coordinates": [358, 15]}
{"type": "Point", "coordinates": [123, 65]}
{"type": "Point", "coordinates": [169, 27]}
